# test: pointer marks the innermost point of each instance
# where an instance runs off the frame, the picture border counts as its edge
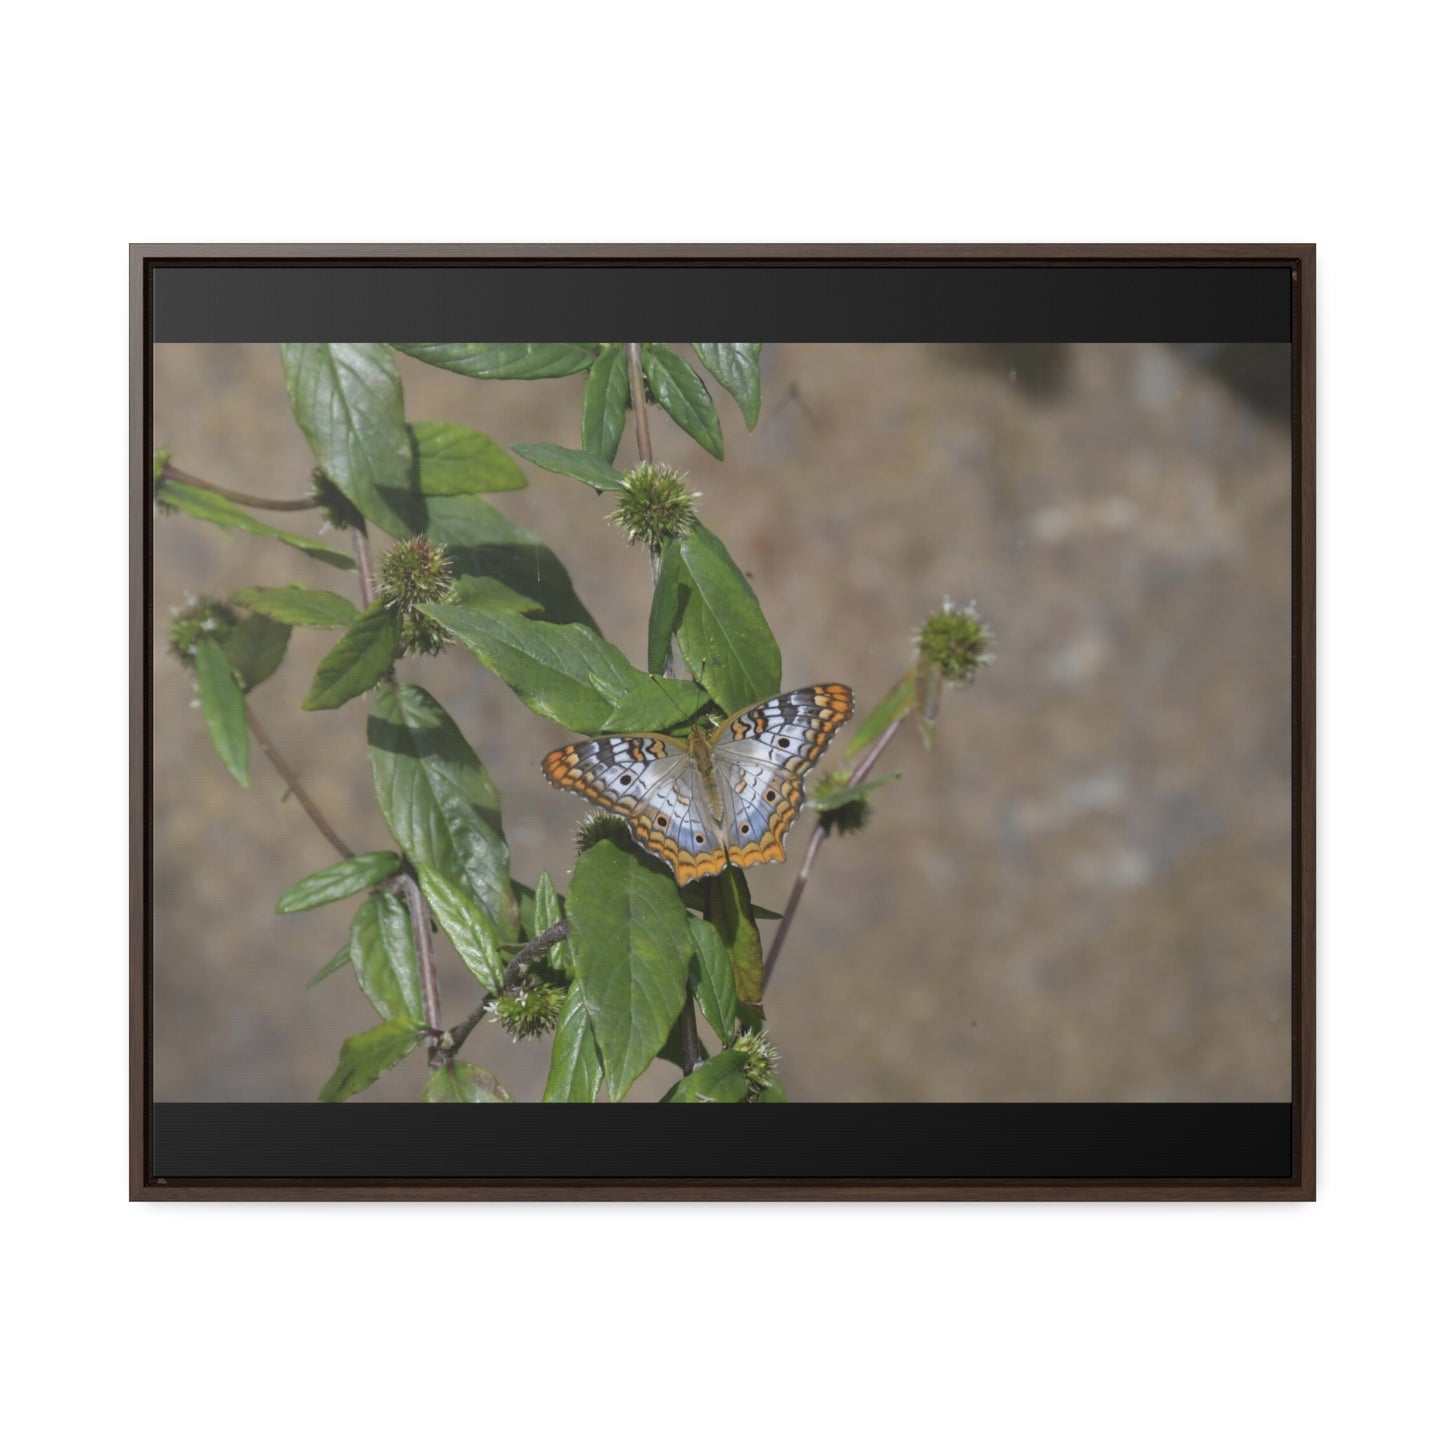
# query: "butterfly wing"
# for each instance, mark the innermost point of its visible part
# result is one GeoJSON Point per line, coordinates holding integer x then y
{"type": "Point", "coordinates": [675, 824]}
{"type": "Point", "coordinates": [652, 782]}
{"type": "Point", "coordinates": [761, 756]}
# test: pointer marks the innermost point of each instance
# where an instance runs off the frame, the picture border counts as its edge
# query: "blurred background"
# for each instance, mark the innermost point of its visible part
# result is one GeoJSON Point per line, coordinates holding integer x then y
{"type": "Point", "coordinates": [1081, 892]}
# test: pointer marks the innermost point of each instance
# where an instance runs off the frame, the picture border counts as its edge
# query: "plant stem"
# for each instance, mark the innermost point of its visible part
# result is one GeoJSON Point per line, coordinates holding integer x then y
{"type": "Point", "coordinates": [527, 955]}
{"type": "Point", "coordinates": [426, 964]}
{"type": "Point", "coordinates": [800, 883]}
{"type": "Point", "coordinates": [641, 428]}
{"type": "Point", "coordinates": [638, 387]}
{"type": "Point", "coordinates": [243, 499]}
{"type": "Point", "coordinates": [865, 766]}
{"type": "Point", "coordinates": [361, 546]}
{"type": "Point", "coordinates": [866, 762]}
{"type": "Point", "coordinates": [293, 784]}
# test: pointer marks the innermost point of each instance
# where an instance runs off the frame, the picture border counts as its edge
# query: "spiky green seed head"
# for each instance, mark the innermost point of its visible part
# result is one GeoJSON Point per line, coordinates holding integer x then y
{"type": "Point", "coordinates": [956, 640]}
{"type": "Point", "coordinates": [760, 1061]}
{"type": "Point", "coordinates": [195, 619]}
{"type": "Point", "coordinates": [656, 507]}
{"type": "Point", "coordinates": [421, 636]}
{"type": "Point", "coordinates": [530, 1011]}
{"type": "Point", "coordinates": [414, 572]}
{"type": "Point", "coordinates": [596, 826]}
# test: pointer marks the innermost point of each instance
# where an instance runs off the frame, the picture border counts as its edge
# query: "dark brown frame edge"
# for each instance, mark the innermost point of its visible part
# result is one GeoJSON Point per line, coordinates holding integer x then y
{"type": "Point", "coordinates": [1300, 1187]}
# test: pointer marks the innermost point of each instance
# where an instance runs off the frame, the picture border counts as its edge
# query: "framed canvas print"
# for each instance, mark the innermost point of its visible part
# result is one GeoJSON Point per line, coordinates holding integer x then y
{"type": "Point", "coordinates": [903, 721]}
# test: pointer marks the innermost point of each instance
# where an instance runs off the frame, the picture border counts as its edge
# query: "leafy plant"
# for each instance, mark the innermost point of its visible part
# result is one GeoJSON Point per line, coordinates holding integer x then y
{"type": "Point", "coordinates": [618, 971]}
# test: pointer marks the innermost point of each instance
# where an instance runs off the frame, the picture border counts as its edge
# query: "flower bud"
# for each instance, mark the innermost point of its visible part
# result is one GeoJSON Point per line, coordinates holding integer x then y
{"type": "Point", "coordinates": [415, 571]}
{"type": "Point", "coordinates": [955, 641]}
{"type": "Point", "coordinates": [598, 825]}
{"type": "Point", "coordinates": [760, 1061]}
{"type": "Point", "coordinates": [529, 1011]}
{"type": "Point", "coordinates": [199, 618]}
{"type": "Point", "coordinates": [657, 506]}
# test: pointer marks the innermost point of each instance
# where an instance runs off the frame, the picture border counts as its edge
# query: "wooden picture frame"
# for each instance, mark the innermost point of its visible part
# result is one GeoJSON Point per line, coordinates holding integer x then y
{"type": "Point", "coordinates": [1195, 1150]}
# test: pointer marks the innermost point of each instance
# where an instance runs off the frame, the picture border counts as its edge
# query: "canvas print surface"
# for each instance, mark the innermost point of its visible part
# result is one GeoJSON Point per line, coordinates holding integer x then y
{"type": "Point", "coordinates": [1075, 888]}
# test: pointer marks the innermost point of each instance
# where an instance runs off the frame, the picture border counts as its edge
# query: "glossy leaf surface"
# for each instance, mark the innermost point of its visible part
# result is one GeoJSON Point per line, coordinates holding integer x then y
{"type": "Point", "coordinates": [632, 945]}
{"type": "Point", "coordinates": [365, 1057]}
{"type": "Point", "coordinates": [341, 880]}
{"type": "Point", "coordinates": [735, 364]}
{"type": "Point", "coordinates": [438, 800]}
{"type": "Point", "coordinates": [224, 708]}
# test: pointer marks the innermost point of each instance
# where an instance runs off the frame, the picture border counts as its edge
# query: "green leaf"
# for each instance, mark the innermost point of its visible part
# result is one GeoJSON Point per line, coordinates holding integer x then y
{"type": "Point", "coordinates": [224, 708]}
{"type": "Point", "coordinates": [341, 880]}
{"type": "Point", "coordinates": [671, 1051]}
{"type": "Point", "coordinates": [438, 801]}
{"type": "Point", "coordinates": [366, 1057]}
{"type": "Point", "coordinates": [560, 959]}
{"type": "Point", "coordinates": [683, 395]}
{"type": "Point", "coordinates": [503, 360]}
{"type": "Point", "coordinates": [655, 705]}
{"type": "Point", "coordinates": [359, 661]}
{"type": "Point", "coordinates": [898, 704]}
{"type": "Point", "coordinates": [772, 1094]}
{"type": "Point", "coordinates": [735, 364]}
{"type": "Point", "coordinates": [631, 944]}
{"type": "Point", "coordinates": [695, 896]}
{"type": "Point", "coordinates": [255, 649]}
{"type": "Point", "coordinates": [548, 912]}
{"type": "Point", "coordinates": [844, 796]}
{"type": "Point", "coordinates": [710, 979]}
{"type": "Point", "coordinates": [549, 903]}
{"type": "Point", "coordinates": [339, 960]}
{"type": "Point", "coordinates": [486, 594]}
{"type": "Point", "coordinates": [566, 673]}
{"type": "Point", "coordinates": [299, 606]}
{"type": "Point", "coordinates": [604, 404]}
{"type": "Point", "coordinates": [719, 1081]}
{"type": "Point", "coordinates": [575, 1076]}
{"type": "Point", "coordinates": [482, 543]}
{"type": "Point", "coordinates": [459, 1083]}
{"type": "Point", "coordinates": [452, 459]}
{"type": "Point", "coordinates": [346, 397]}
{"type": "Point", "coordinates": [383, 952]}
{"type": "Point", "coordinates": [750, 1018]}
{"type": "Point", "coordinates": [206, 506]}
{"type": "Point", "coordinates": [566, 462]}
{"type": "Point", "coordinates": [469, 929]}
{"type": "Point", "coordinates": [666, 611]}
{"type": "Point", "coordinates": [721, 629]}
{"type": "Point", "coordinates": [527, 906]}
{"type": "Point", "coordinates": [732, 915]}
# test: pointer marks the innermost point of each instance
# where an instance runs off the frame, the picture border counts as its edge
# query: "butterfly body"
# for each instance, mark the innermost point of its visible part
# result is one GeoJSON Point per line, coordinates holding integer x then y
{"type": "Point", "coordinates": [713, 799]}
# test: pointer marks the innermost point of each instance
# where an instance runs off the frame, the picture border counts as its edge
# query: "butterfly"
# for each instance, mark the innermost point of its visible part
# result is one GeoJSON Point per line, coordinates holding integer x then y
{"type": "Point", "coordinates": [710, 800]}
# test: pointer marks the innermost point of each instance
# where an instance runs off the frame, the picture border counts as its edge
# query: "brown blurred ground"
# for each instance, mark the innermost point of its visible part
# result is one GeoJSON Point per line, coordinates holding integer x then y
{"type": "Point", "coordinates": [1080, 893]}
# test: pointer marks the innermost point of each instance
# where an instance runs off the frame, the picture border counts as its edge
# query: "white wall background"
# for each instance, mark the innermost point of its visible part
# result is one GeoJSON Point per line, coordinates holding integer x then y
{"type": "Point", "coordinates": [1045, 122]}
